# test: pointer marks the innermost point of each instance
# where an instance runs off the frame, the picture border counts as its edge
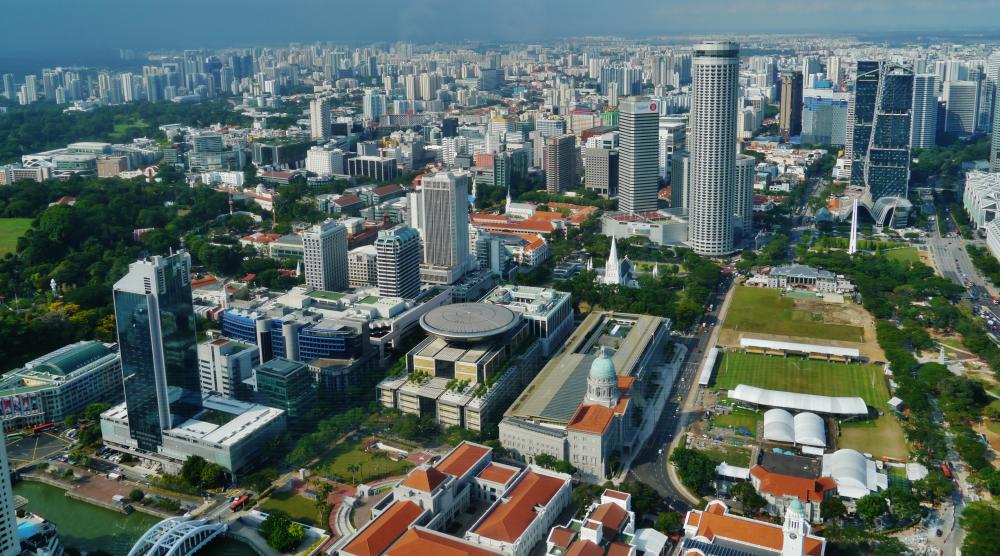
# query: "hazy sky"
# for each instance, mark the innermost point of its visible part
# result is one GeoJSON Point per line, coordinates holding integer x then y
{"type": "Point", "coordinates": [38, 29]}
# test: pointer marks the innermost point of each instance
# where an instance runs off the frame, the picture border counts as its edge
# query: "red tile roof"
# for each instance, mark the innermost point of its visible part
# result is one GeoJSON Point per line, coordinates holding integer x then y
{"type": "Point", "coordinates": [386, 189]}
{"type": "Point", "coordinates": [561, 536]}
{"type": "Point", "coordinates": [497, 474]}
{"type": "Point", "coordinates": [509, 519]}
{"type": "Point", "coordinates": [716, 521]}
{"type": "Point", "coordinates": [612, 517]}
{"type": "Point", "coordinates": [346, 200]}
{"type": "Point", "coordinates": [424, 541]}
{"type": "Point", "coordinates": [584, 548]}
{"type": "Point", "coordinates": [425, 479]}
{"type": "Point", "coordinates": [595, 418]}
{"type": "Point", "coordinates": [616, 494]}
{"type": "Point", "coordinates": [619, 549]}
{"type": "Point", "coordinates": [384, 530]}
{"type": "Point", "coordinates": [806, 490]}
{"type": "Point", "coordinates": [464, 457]}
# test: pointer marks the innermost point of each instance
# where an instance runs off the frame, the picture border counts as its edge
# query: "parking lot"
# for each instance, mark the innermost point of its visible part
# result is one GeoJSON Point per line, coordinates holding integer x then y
{"type": "Point", "coordinates": [32, 449]}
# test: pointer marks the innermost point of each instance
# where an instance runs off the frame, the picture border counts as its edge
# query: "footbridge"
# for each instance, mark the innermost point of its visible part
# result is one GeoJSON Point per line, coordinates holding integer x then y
{"type": "Point", "coordinates": [177, 536]}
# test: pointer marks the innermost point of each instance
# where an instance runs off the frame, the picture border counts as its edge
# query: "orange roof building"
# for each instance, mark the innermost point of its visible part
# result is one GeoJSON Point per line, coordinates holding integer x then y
{"type": "Point", "coordinates": [420, 540]}
{"type": "Point", "coordinates": [715, 524]}
{"type": "Point", "coordinates": [523, 515]}
{"type": "Point", "coordinates": [381, 532]}
{"type": "Point", "coordinates": [464, 458]}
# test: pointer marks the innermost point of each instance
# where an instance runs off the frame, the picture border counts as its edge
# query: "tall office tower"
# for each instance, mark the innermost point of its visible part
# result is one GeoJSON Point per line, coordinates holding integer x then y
{"type": "Point", "coordinates": [319, 119]}
{"type": "Point", "coordinates": [810, 66]}
{"type": "Point", "coordinates": [995, 142]}
{"type": "Point", "coordinates": [790, 107]}
{"type": "Point", "coordinates": [31, 88]}
{"type": "Point", "coordinates": [601, 171]}
{"type": "Point", "coordinates": [639, 149]}
{"type": "Point", "coordinates": [155, 318]}
{"type": "Point", "coordinates": [923, 129]}
{"type": "Point", "coordinates": [961, 100]}
{"type": "Point", "coordinates": [746, 167]}
{"type": "Point", "coordinates": [9, 88]}
{"type": "Point", "coordinates": [833, 70]}
{"type": "Point", "coordinates": [883, 99]}
{"type": "Point", "coordinates": [442, 213]}
{"type": "Point", "coordinates": [560, 163]}
{"type": "Point", "coordinates": [10, 541]}
{"type": "Point", "coordinates": [398, 262]}
{"type": "Point", "coordinates": [373, 105]}
{"type": "Point", "coordinates": [712, 144]}
{"type": "Point", "coordinates": [324, 255]}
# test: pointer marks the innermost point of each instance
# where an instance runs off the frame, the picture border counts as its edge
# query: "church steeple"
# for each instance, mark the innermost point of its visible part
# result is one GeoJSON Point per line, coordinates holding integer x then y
{"type": "Point", "coordinates": [612, 270]}
{"type": "Point", "coordinates": [794, 530]}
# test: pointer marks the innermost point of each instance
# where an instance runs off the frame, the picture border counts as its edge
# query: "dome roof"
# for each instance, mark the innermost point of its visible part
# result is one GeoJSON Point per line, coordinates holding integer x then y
{"type": "Point", "coordinates": [602, 368]}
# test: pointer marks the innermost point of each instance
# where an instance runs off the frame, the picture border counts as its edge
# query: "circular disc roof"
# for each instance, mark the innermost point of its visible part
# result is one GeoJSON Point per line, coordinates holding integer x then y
{"type": "Point", "coordinates": [469, 321]}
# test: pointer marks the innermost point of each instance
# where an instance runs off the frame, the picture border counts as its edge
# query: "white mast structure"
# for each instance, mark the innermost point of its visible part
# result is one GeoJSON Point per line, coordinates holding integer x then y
{"type": "Point", "coordinates": [853, 246]}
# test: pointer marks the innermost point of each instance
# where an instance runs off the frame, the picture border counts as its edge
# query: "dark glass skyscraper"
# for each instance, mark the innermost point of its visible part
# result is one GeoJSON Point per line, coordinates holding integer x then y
{"type": "Point", "coordinates": [883, 101]}
{"type": "Point", "coordinates": [157, 342]}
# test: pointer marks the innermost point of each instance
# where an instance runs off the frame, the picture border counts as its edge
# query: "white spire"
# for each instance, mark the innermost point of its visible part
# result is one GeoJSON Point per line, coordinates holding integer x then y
{"type": "Point", "coordinates": [656, 270]}
{"type": "Point", "coordinates": [612, 269]}
{"type": "Point", "coordinates": [853, 246]}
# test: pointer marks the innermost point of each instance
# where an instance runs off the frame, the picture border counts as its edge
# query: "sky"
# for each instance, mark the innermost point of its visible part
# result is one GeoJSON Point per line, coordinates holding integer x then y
{"type": "Point", "coordinates": [80, 30]}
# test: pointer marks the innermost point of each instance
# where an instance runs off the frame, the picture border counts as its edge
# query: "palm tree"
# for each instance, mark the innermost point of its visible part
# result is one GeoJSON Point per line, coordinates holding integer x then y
{"type": "Point", "coordinates": [352, 468]}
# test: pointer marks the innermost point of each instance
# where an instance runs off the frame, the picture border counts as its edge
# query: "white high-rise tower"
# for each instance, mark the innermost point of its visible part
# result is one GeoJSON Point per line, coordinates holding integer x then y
{"type": "Point", "coordinates": [853, 246]}
{"type": "Point", "coordinates": [638, 159]}
{"type": "Point", "coordinates": [324, 252]}
{"type": "Point", "coordinates": [923, 125]}
{"type": "Point", "coordinates": [715, 90]}
{"type": "Point", "coordinates": [319, 119]}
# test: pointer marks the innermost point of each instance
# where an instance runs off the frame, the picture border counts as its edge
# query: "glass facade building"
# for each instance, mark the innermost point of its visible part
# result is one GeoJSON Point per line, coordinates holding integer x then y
{"type": "Point", "coordinates": [883, 102]}
{"type": "Point", "coordinates": [157, 341]}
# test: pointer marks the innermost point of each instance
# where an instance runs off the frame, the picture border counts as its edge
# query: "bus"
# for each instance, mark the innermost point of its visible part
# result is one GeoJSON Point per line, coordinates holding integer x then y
{"type": "Point", "coordinates": [945, 470]}
{"type": "Point", "coordinates": [239, 503]}
{"type": "Point", "coordinates": [42, 428]}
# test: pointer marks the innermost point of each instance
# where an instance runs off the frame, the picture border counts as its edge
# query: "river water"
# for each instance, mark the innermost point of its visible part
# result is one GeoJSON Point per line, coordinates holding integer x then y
{"type": "Point", "coordinates": [95, 530]}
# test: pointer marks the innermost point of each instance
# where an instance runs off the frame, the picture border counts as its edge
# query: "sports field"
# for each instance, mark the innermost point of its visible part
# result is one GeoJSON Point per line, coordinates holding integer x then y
{"type": "Point", "coordinates": [879, 437]}
{"type": "Point", "coordinates": [766, 311]}
{"type": "Point", "coordinates": [10, 230]}
{"type": "Point", "coordinates": [805, 376]}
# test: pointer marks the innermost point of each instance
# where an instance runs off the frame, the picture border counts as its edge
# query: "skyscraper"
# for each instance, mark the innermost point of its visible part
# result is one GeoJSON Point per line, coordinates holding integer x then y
{"type": "Point", "coordinates": [10, 542]}
{"type": "Point", "coordinates": [790, 107]}
{"type": "Point", "coordinates": [373, 105]}
{"type": "Point", "coordinates": [319, 119]}
{"type": "Point", "coordinates": [638, 159]}
{"type": "Point", "coordinates": [560, 163]}
{"type": "Point", "coordinates": [883, 99]}
{"type": "Point", "coordinates": [995, 142]}
{"type": "Point", "coordinates": [746, 167]}
{"type": "Point", "coordinates": [961, 100]}
{"type": "Point", "coordinates": [712, 144]}
{"type": "Point", "coordinates": [9, 88]}
{"type": "Point", "coordinates": [324, 255]}
{"type": "Point", "coordinates": [157, 342]}
{"type": "Point", "coordinates": [442, 212]}
{"type": "Point", "coordinates": [923, 129]}
{"type": "Point", "coordinates": [398, 262]}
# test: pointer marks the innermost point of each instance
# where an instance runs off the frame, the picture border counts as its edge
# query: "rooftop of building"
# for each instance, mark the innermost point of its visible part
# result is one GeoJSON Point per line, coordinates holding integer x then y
{"type": "Point", "coordinates": [419, 540]}
{"type": "Point", "coordinates": [69, 359]}
{"type": "Point", "coordinates": [717, 523]}
{"type": "Point", "coordinates": [595, 418]}
{"type": "Point", "coordinates": [279, 366]}
{"type": "Point", "coordinates": [791, 465]}
{"type": "Point", "coordinates": [424, 479]}
{"type": "Point", "coordinates": [527, 300]}
{"type": "Point", "coordinates": [464, 457]}
{"type": "Point", "coordinates": [496, 473]}
{"type": "Point", "coordinates": [555, 395]}
{"type": "Point", "coordinates": [379, 534]}
{"type": "Point", "coordinates": [511, 515]}
{"type": "Point", "coordinates": [469, 321]}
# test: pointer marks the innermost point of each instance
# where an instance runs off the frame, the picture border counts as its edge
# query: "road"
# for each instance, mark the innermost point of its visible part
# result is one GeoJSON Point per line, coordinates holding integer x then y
{"type": "Point", "coordinates": [651, 465]}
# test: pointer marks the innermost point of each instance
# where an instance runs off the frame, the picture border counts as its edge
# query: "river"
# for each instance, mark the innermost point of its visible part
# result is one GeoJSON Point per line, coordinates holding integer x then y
{"type": "Point", "coordinates": [95, 530]}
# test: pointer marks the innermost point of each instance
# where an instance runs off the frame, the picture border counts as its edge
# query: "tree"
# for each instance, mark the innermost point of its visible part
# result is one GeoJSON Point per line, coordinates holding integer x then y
{"type": "Point", "coordinates": [832, 508]}
{"type": "Point", "coordinates": [695, 468]}
{"type": "Point", "coordinates": [212, 475]}
{"type": "Point", "coordinates": [136, 495]}
{"type": "Point", "coordinates": [668, 522]}
{"type": "Point", "coordinates": [745, 494]}
{"type": "Point", "coordinates": [981, 522]}
{"type": "Point", "coordinates": [545, 460]}
{"type": "Point", "coordinates": [191, 470]}
{"type": "Point", "coordinates": [280, 532]}
{"type": "Point", "coordinates": [871, 507]}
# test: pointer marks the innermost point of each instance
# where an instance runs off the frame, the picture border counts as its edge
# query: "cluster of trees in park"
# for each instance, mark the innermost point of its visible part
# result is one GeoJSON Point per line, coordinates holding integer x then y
{"type": "Point", "coordinates": [280, 532]}
{"type": "Point", "coordinates": [87, 246]}
{"type": "Point", "coordinates": [945, 162]}
{"type": "Point", "coordinates": [985, 262]}
{"type": "Point", "coordinates": [43, 126]}
{"type": "Point", "coordinates": [682, 298]}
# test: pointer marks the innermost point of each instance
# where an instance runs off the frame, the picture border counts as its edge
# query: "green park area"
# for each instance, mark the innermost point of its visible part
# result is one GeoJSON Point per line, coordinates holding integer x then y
{"type": "Point", "coordinates": [805, 376]}
{"type": "Point", "coordinates": [882, 437]}
{"type": "Point", "coordinates": [298, 507]}
{"type": "Point", "coordinates": [350, 463]}
{"type": "Point", "coordinates": [905, 254]}
{"type": "Point", "coordinates": [10, 230]}
{"type": "Point", "coordinates": [739, 418]}
{"type": "Point", "coordinates": [766, 311]}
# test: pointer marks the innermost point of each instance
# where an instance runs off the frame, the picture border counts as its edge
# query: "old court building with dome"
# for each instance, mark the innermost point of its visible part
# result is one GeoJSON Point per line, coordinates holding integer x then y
{"type": "Point", "coordinates": [597, 400]}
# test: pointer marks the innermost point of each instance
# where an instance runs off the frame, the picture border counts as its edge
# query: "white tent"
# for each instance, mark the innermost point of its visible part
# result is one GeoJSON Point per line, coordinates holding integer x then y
{"type": "Point", "coordinates": [778, 426]}
{"type": "Point", "coordinates": [854, 474]}
{"type": "Point", "coordinates": [810, 429]}
{"type": "Point", "coordinates": [801, 402]}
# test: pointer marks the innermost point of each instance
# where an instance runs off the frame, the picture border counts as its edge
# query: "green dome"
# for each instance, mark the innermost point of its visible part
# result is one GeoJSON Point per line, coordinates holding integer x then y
{"type": "Point", "coordinates": [602, 368]}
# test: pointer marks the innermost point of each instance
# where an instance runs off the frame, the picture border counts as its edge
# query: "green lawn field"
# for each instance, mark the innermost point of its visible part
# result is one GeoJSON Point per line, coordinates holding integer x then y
{"type": "Point", "coordinates": [10, 230]}
{"type": "Point", "coordinates": [765, 311]}
{"type": "Point", "coordinates": [371, 468]}
{"type": "Point", "coordinates": [793, 374]}
{"type": "Point", "coordinates": [880, 437]}
{"type": "Point", "coordinates": [906, 254]}
{"type": "Point", "coordinates": [298, 507]}
{"type": "Point", "coordinates": [739, 418]}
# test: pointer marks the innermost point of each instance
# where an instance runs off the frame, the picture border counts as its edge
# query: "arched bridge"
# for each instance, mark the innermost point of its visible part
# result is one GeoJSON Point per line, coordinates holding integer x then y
{"type": "Point", "coordinates": [177, 536]}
